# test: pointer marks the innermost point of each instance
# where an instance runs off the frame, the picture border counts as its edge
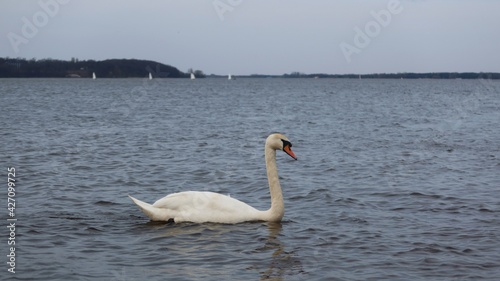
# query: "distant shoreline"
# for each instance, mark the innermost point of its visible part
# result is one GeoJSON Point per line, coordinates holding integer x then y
{"type": "Point", "coordinates": [437, 75]}
{"type": "Point", "coordinates": [134, 68]}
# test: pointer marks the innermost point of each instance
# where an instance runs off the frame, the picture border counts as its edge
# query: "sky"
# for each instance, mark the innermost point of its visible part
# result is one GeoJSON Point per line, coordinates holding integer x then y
{"type": "Point", "coordinates": [261, 36]}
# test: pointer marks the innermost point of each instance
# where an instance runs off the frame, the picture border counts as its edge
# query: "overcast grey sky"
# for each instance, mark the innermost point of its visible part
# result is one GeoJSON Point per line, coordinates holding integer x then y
{"type": "Point", "coordinates": [261, 36]}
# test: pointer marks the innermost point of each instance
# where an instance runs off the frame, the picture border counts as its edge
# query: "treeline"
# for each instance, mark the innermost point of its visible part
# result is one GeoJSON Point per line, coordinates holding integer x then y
{"type": "Point", "coordinates": [113, 68]}
{"type": "Point", "coordinates": [125, 68]}
{"type": "Point", "coordinates": [409, 75]}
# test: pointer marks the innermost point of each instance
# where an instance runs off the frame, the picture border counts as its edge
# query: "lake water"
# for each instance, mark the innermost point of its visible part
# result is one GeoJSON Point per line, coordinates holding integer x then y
{"type": "Point", "coordinates": [396, 179]}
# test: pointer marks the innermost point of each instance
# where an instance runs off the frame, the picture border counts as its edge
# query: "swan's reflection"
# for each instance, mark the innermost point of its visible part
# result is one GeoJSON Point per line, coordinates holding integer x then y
{"type": "Point", "coordinates": [283, 262]}
{"type": "Point", "coordinates": [195, 244]}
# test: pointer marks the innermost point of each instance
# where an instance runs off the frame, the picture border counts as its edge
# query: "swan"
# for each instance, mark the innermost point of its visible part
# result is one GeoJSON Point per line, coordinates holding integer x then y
{"type": "Point", "coordinates": [202, 206]}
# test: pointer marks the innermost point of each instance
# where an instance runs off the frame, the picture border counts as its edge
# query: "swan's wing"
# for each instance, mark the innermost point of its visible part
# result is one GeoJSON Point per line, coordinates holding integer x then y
{"type": "Point", "coordinates": [174, 201]}
{"type": "Point", "coordinates": [200, 200]}
{"type": "Point", "coordinates": [198, 206]}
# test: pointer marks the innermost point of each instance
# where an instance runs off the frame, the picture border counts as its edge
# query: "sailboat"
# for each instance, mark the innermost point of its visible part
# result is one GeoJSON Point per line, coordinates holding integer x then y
{"type": "Point", "coordinates": [192, 76]}
{"type": "Point", "coordinates": [229, 77]}
{"type": "Point", "coordinates": [150, 76]}
{"type": "Point", "coordinates": [93, 75]}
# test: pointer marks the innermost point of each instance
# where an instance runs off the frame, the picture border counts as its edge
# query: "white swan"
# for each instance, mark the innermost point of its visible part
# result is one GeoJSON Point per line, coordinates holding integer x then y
{"type": "Point", "coordinates": [199, 206]}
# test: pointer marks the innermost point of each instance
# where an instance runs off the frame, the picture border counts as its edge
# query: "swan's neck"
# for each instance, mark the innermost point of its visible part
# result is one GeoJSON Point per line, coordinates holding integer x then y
{"type": "Point", "coordinates": [277, 205]}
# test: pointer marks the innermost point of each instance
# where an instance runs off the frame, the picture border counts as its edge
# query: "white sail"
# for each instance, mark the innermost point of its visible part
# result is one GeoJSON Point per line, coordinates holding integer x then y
{"type": "Point", "coordinates": [150, 76]}
{"type": "Point", "coordinates": [192, 76]}
{"type": "Point", "coordinates": [93, 75]}
{"type": "Point", "coordinates": [229, 77]}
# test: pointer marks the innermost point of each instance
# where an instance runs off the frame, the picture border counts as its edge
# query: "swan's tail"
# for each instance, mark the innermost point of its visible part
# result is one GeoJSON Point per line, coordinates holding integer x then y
{"type": "Point", "coordinates": [155, 214]}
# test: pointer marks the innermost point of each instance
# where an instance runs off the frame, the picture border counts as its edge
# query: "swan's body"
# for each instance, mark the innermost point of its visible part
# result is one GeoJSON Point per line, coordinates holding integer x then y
{"type": "Point", "coordinates": [199, 207]}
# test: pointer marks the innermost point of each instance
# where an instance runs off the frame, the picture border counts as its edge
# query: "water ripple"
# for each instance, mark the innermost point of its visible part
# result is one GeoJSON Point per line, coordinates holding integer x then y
{"type": "Point", "coordinates": [396, 180]}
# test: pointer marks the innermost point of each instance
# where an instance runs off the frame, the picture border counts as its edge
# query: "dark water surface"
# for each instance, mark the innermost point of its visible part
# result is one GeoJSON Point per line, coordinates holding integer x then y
{"type": "Point", "coordinates": [396, 179]}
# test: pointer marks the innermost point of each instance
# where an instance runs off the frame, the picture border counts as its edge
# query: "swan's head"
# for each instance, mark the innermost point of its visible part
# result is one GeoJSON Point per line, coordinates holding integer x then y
{"type": "Point", "coordinates": [279, 141]}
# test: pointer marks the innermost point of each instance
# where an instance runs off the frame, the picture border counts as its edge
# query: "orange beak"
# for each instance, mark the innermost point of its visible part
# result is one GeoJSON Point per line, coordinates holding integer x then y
{"type": "Point", "coordinates": [289, 151]}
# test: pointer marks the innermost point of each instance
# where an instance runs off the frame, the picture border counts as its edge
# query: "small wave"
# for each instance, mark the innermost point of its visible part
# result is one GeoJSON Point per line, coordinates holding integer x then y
{"type": "Point", "coordinates": [93, 229]}
{"type": "Point", "coordinates": [419, 194]}
{"type": "Point", "coordinates": [105, 203]}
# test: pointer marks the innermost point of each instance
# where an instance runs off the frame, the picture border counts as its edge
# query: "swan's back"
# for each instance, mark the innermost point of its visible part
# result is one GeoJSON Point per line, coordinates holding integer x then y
{"type": "Point", "coordinates": [204, 206]}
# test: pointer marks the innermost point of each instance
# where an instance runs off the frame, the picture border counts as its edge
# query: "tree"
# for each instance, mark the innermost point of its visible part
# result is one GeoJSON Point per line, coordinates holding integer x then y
{"type": "Point", "coordinates": [199, 74]}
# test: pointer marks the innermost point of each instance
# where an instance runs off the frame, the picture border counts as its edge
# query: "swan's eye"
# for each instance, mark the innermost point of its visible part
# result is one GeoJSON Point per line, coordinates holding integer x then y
{"type": "Point", "coordinates": [286, 143]}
